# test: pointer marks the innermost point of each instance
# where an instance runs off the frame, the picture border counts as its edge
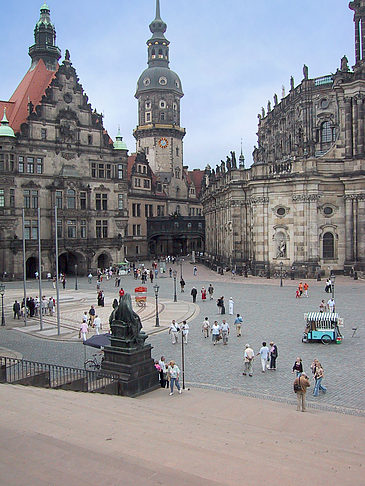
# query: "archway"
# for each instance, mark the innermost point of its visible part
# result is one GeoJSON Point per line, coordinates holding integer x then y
{"type": "Point", "coordinates": [67, 262]}
{"type": "Point", "coordinates": [31, 267]}
{"type": "Point", "coordinates": [104, 261]}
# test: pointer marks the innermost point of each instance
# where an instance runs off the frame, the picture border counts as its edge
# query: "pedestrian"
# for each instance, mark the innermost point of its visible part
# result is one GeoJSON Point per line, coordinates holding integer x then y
{"type": "Point", "coordinates": [238, 323]}
{"type": "Point", "coordinates": [328, 286]}
{"type": "Point", "coordinates": [264, 356]}
{"type": "Point", "coordinates": [223, 308]}
{"type": "Point", "coordinates": [90, 278]}
{"type": "Point", "coordinates": [306, 287]}
{"type": "Point", "coordinates": [50, 306]}
{"type": "Point", "coordinates": [204, 294]}
{"type": "Point", "coordinates": [84, 317]}
{"type": "Point", "coordinates": [273, 355]}
{"type": "Point", "coordinates": [151, 276]}
{"type": "Point", "coordinates": [331, 305]}
{"type": "Point", "coordinates": [206, 327]}
{"type": "Point", "coordinates": [230, 306]}
{"type": "Point", "coordinates": [195, 270]}
{"type": "Point", "coordinates": [83, 331]}
{"type": "Point", "coordinates": [182, 284]}
{"type": "Point", "coordinates": [300, 288]}
{"type": "Point", "coordinates": [301, 383]}
{"type": "Point", "coordinates": [16, 309]}
{"type": "Point", "coordinates": [170, 272]}
{"type": "Point", "coordinates": [225, 331]}
{"type": "Point", "coordinates": [298, 367]}
{"type": "Point", "coordinates": [91, 316]}
{"type": "Point", "coordinates": [185, 331]}
{"type": "Point", "coordinates": [318, 376]}
{"type": "Point", "coordinates": [193, 293]}
{"type": "Point", "coordinates": [63, 282]}
{"type": "Point", "coordinates": [36, 274]}
{"type": "Point", "coordinates": [163, 372]}
{"type": "Point", "coordinates": [322, 306]}
{"type": "Point", "coordinates": [174, 331]}
{"type": "Point", "coordinates": [121, 292]}
{"type": "Point", "coordinates": [210, 291]}
{"type": "Point", "coordinates": [216, 332]}
{"type": "Point", "coordinates": [97, 324]}
{"type": "Point", "coordinates": [248, 356]}
{"type": "Point", "coordinates": [297, 293]}
{"type": "Point", "coordinates": [174, 373]}
{"type": "Point", "coordinates": [49, 276]}
{"type": "Point", "coordinates": [54, 281]}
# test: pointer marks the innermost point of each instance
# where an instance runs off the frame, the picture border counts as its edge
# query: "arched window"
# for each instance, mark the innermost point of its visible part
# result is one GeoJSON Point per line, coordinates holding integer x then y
{"type": "Point", "coordinates": [328, 245]}
{"type": "Point", "coordinates": [177, 173]}
{"type": "Point", "coordinates": [326, 132]}
{"type": "Point", "coordinates": [153, 53]}
{"type": "Point", "coordinates": [71, 199]}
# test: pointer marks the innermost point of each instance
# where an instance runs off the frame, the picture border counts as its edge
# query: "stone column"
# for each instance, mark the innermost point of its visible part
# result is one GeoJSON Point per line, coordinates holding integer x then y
{"type": "Point", "coordinates": [355, 228]}
{"type": "Point", "coordinates": [357, 40]}
{"type": "Point", "coordinates": [349, 244]}
{"type": "Point", "coordinates": [355, 125]}
{"type": "Point", "coordinates": [348, 129]}
{"type": "Point", "coordinates": [360, 126]}
{"type": "Point", "coordinates": [361, 227]}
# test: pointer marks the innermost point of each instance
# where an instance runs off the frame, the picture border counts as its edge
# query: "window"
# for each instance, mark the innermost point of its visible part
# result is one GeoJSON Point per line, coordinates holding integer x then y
{"type": "Point", "coordinates": [137, 182]}
{"type": "Point", "coordinates": [101, 202]}
{"type": "Point", "coordinates": [101, 171]}
{"type": "Point", "coordinates": [59, 199]}
{"type": "Point", "coordinates": [148, 105]}
{"type": "Point", "coordinates": [148, 210]}
{"type": "Point", "coordinates": [136, 210]}
{"type": "Point", "coordinates": [83, 228]}
{"type": "Point", "coordinates": [280, 211]}
{"type": "Point", "coordinates": [21, 164]}
{"type": "Point", "coordinates": [2, 198]}
{"type": "Point", "coordinates": [162, 116]}
{"type": "Point", "coordinates": [59, 228]}
{"type": "Point", "coordinates": [71, 199]}
{"type": "Point", "coordinates": [146, 183]}
{"type": "Point", "coordinates": [71, 228]}
{"type": "Point", "coordinates": [39, 166]}
{"type": "Point", "coordinates": [160, 211]}
{"type": "Point", "coordinates": [162, 104]}
{"type": "Point", "coordinates": [328, 245]}
{"type": "Point", "coordinates": [11, 162]}
{"type": "Point", "coordinates": [177, 151]}
{"type": "Point", "coordinates": [174, 106]}
{"type": "Point", "coordinates": [26, 194]}
{"type": "Point", "coordinates": [178, 209]}
{"type": "Point", "coordinates": [34, 200]}
{"type": "Point", "coordinates": [2, 162]}
{"type": "Point", "coordinates": [177, 173]}
{"type": "Point", "coordinates": [30, 230]}
{"type": "Point", "coordinates": [108, 171]}
{"type": "Point", "coordinates": [43, 133]}
{"type": "Point", "coordinates": [82, 200]}
{"type": "Point", "coordinates": [144, 167]}
{"type": "Point", "coordinates": [12, 198]}
{"type": "Point", "coordinates": [120, 171]}
{"type": "Point", "coordinates": [30, 165]}
{"type": "Point", "coordinates": [326, 132]}
{"type": "Point", "coordinates": [148, 116]}
{"type": "Point", "coordinates": [120, 201]}
{"type": "Point", "coordinates": [136, 230]}
{"type": "Point", "coordinates": [90, 139]}
{"type": "Point", "coordinates": [101, 228]}
{"type": "Point", "coordinates": [328, 210]}
{"type": "Point", "coordinates": [93, 169]}
{"type": "Point", "coordinates": [137, 249]}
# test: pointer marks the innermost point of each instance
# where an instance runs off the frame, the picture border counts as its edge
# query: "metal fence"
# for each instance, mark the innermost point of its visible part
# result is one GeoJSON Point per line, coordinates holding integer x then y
{"type": "Point", "coordinates": [21, 371]}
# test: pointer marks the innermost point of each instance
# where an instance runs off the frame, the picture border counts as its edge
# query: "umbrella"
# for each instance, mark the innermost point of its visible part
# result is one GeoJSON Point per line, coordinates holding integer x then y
{"type": "Point", "coordinates": [98, 341]}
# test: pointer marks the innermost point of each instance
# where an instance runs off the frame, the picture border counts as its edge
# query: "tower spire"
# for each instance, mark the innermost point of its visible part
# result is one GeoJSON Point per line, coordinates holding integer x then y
{"type": "Point", "coordinates": [158, 15]}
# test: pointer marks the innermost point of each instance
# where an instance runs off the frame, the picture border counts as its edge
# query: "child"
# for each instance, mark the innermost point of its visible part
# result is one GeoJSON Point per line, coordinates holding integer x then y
{"type": "Point", "coordinates": [297, 294]}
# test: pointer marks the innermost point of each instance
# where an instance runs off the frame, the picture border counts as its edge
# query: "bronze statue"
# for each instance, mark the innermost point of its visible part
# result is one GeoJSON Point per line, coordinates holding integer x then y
{"type": "Point", "coordinates": [123, 312]}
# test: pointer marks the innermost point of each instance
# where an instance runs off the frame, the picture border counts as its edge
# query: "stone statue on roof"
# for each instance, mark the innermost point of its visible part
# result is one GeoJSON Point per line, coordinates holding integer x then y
{"type": "Point", "coordinates": [275, 99]}
{"type": "Point", "coordinates": [345, 64]}
{"type": "Point", "coordinates": [291, 83]}
{"type": "Point", "coordinates": [305, 71]}
{"type": "Point", "coordinates": [67, 55]}
{"type": "Point", "coordinates": [233, 158]}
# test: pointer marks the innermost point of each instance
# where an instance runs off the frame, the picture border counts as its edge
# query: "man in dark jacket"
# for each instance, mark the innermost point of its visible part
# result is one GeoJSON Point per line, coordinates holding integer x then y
{"type": "Point", "coordinates": [194, 293]}
{"type": "Point", "coordinates": [16, 309]}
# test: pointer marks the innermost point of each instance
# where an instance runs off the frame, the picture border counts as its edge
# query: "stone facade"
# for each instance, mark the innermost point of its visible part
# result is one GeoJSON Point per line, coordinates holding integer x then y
{"type": "Point", "coordinates": [302, 202]}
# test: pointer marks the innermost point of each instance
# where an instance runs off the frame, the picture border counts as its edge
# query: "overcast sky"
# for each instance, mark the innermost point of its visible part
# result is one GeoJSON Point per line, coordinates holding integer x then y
{"type": "Point", "coordinates": [231, 56]}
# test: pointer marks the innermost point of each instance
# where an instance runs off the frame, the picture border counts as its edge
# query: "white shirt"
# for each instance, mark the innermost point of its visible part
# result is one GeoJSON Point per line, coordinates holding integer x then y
{"type": "Point", "coordinates": [205, 324]}
{"type": "Point", "coordinates": [215, 329]}
{"type": "Point", "coordinates": [264, 352]}
{"type": "Point", "coordinates": [174, 371]}
{"type": "Point", "coordinates": [173, 327]}
{"type": "Point", "coordinates": [225, 326]}
{"type": "Point", "coordinates": [163, 365]}
{"type": "Point", "coordinates": [84, 318]}
{"type": "Point", "coordinates": [97, 322]}
{"type": "Point", "coordinates": [185, 328]}
{"type": "Point", "coordinates": [331, 303]}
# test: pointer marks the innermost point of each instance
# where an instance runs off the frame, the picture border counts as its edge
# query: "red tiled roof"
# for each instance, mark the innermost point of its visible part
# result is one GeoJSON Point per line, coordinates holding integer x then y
{"type": "Point", "coordinates": [31, 88]}
{"type": "Point", "coordinates": [197, 176]}
{"type": "Point", "coordinates": [131, 160]}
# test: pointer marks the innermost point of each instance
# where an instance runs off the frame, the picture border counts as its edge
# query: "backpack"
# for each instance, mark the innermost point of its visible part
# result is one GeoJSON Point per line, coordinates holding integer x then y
{"type": "Point", "coordinates": [297, 386]}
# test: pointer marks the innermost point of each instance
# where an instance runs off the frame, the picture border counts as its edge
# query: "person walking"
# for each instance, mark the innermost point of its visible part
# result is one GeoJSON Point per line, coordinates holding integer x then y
{"type": "Point", "coordinates": [238, 323]}
{"type": "Point", "coordinates": [264, 356]}
{"type": "Point", "coordinates": [173, 330]}
{"type": "Point", "coordinates": [306, 287]}
{"type": "Point", "coordinates": [97, 324]}
{"type": "Point", "coordinates": [216, 331]}
{"type": "Point", "coordinates": [318, 376]}
{"type": "Point", "coordinates": [230, 306]}
{"type": "Point", "coordinates": [16, 309]}
{"type": "Point", "coordinates": [50, 306]}
{"type": "Point", "coordinates": [273, 355]}
{"type": "Point", "coordinates": [90, 278]}
{"type": "Point", "coordinates": [301, 383]}
{"type": "Point", "coordinates": [163, 372]}
{"type": "Point", "coordinates": [298, 367]}
{"type": "Point", "coordinates": [182, 284]}
{"type": "Point", "coordinates": [91, 316]}
{"type": "Point", "coordinates": [63, 282]}
{"type": "Point", "coordinates": [185, 331]}
{"type": "Point", "coordinates": [210, 291]}
{"type": "Point", "coordinates": [174, 373]}
{"type": "Point", "coordinates": [193, 293]}
{"type": "Point", "coordinates": [225, 331]}
{"type": "Point", "coordinates": [83, 331]}
{"type": "Point", "coordinates": [331, 305]}
{"type": "Point", "coordinates": [248, 356]}
{"type": "Point", "coordinates": [204, 294]}
{"type": "Point", "coordinates": [206, 327]}
{"type": "Point", "coordinates": [195, 271]}
{"type": "Point", "coordinates": [300, 288]}
{"type": "Point", "coordinates": [322, 306]}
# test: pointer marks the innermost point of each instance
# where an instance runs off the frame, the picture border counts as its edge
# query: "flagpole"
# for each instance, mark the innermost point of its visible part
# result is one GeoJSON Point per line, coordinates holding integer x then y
{"type": "Point", "coordinates": [57, 286]}
{"type": "Point", "coordinates": [40, 309]}
{"type": "Point", "coordinates": [24, 273]}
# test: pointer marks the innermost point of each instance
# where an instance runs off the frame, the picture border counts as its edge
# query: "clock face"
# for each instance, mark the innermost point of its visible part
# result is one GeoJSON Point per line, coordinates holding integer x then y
{"type": "Point", "coordinates": [163, 142]}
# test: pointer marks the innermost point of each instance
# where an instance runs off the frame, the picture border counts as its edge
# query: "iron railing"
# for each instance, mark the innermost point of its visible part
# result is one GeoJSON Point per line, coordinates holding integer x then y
{"type": "Point", "coordinates": [21, 371]}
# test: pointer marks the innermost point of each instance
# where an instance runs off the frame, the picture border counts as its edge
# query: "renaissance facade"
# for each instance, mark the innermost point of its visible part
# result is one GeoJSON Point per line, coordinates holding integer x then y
{"type": "Point", "coordinates": [301, 205]}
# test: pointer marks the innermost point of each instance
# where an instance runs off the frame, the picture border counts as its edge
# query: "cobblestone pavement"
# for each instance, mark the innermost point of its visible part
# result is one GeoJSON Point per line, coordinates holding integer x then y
{"type": "Point", "coordinates": [271, 313]}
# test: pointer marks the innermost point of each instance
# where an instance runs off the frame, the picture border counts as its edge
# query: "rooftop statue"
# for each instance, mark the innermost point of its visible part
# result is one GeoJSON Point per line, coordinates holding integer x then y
{"type": "Point", "coordinates": [344, 64]}
{"type": "Point", "coordinates": [291, 83]}
{"type": "Point", "coordinates": [305, 71]}
{"type": "Point", "coordinates": [233, 158]}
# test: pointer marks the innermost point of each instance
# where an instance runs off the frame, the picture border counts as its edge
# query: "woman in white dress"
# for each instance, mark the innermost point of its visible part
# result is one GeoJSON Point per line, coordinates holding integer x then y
{"type": "Point", "coordinates": [230, 306]}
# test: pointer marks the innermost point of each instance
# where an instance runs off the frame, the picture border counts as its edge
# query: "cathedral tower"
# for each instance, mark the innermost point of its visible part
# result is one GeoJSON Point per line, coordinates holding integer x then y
{"type": "Point", "coordinates": [159, 91]}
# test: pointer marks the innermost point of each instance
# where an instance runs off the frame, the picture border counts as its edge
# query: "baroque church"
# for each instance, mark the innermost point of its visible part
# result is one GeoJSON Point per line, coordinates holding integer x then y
{"type": "Point", "coordinates": [61, 173]}
{"type": "Point", "coordinates": [301, 205]}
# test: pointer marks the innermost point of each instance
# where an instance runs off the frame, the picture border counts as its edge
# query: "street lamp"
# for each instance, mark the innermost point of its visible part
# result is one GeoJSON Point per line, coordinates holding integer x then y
{"type": "Point", "coordinates": [333, 278]}
{"type": "Point", "coordinates": [2, 292]}
{"type": "Point", "coordinates": [156, 288]}
{"type": "Point", "coordinates": [174, 273]}
{"type": "Point", "coordinates": [76, 277]}
{"type": "Point", "coordinates": [181, 264]}
{"type": "Point", "coordinates": [183, 360]}
{"type": "Point", "coordinates": [281, 274]}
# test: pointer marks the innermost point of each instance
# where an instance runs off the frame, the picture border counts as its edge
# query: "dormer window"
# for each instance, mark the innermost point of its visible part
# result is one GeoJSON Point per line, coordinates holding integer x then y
{"type": "Point", "coordinates": [162, 104]}
{"type": "Point", "coordinates": [148, 105]}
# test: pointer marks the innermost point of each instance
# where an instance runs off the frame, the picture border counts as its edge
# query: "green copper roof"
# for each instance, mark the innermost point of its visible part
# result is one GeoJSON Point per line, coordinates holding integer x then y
{"type": "Point", "coordinates": [5, 128]}
{"type": "Point", "coordinates": [44, 7]}
{"type": "Point", "coordinates": [119, 144]}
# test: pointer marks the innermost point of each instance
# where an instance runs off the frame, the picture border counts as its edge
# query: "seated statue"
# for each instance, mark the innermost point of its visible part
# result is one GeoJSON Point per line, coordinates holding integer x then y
{"type": "Point", "coordinates": [123, 312]}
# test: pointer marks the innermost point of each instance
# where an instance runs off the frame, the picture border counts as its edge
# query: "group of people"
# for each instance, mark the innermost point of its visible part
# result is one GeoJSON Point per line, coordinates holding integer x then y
{"type": "Point", "coordinates": [268, 357]}
{"type": "Point", "coordinates": [34, 307]}
{"type": "Point", "coordinates": [90, 320]}
{"type": "Point", "coordinates": [169, 374]}
{"type": "Point", "coordinates": [175, 329]}
{"type": "Point", "coordinates": [221, 331]}
{"type": "Point", "coordinates": [330, 306]}
{"type": "Point", "coordinates": [301, 382]}
{"type": "Point", "coordinates": [301, 289]}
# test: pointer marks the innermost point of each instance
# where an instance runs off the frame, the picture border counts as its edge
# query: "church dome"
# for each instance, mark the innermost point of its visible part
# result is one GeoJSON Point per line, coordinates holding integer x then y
{"type": "Point", "coordinates": [5, 128]}
{"type": "Point", "coordinates": [159, 78]}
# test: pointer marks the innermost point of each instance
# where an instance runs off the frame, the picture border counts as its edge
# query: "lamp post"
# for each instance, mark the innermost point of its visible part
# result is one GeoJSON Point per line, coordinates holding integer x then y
{"type": "Point", "coordinates": [333, 278]}
{"type": "Point", "coordinates": [181, 271]}
{"type": "Point", "coordinates": [156, 288]}
{"type": "Point", "coordinates": [76, 277]}
{"type": "Point", "coordinates": [2, 292]}
{"type": "Point", "coordinates": [183, 360]}
{"type": "Point", "coordinates": [174, 274]}
{"type": "Point", "coordinates": [281, 274]}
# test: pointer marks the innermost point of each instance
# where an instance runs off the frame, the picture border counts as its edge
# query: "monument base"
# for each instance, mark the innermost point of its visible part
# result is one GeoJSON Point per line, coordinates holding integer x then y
{"type": "Point", "coordinates": [135, 368]}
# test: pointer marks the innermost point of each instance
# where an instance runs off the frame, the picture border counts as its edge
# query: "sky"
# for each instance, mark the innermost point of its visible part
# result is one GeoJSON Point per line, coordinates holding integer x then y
{"type": "Point", "coordinates": [231, 56]}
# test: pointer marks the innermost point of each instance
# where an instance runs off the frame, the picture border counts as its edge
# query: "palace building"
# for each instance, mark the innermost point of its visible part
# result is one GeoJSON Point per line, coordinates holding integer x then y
{"type": "Point", "coordinates": [301, 205]}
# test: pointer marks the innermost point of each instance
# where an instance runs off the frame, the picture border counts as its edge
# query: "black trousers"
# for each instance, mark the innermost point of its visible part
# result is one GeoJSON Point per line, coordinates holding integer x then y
{"type": "Point", "coordinates": [273, 362]}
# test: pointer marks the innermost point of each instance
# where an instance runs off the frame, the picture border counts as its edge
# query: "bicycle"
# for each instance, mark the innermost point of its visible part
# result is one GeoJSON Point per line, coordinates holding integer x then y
{"type": "Point", "coordinates": [94, 363]}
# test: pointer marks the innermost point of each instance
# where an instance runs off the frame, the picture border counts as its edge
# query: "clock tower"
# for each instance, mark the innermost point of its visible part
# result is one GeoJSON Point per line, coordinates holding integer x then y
{"type": "Point", "coordinates": [159, 92]}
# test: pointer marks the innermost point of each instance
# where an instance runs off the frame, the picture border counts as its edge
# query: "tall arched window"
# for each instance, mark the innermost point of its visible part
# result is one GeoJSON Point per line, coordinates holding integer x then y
{"type": "Point", "coordinates": [328, 245]}
{"type": "Point", "coordinates": [326, 132]}
{"type": "Point", "coordinates": [71, 199]}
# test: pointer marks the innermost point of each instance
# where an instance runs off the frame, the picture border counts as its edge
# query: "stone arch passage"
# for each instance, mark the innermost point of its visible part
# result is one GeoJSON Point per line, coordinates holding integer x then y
{"type": "Point", "coordinates": [31, 267]}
